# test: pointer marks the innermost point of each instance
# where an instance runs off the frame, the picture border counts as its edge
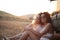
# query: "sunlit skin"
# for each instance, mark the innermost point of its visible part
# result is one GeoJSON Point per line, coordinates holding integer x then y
{"type": "Point", "coordinates": [29, 32]}
{"type": "Point", "coordinates": [35, 35]}
{"type": "Point", "coordinates": [36, 19]}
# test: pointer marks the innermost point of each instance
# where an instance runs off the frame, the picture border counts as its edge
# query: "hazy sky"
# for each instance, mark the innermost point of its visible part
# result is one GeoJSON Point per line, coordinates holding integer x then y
{"type": "Point", "coordinates": [23, 7]}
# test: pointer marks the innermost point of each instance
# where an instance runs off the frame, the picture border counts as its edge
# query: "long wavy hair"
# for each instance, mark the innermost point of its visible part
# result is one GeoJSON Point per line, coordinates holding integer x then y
{"type": "Point", "coordinates": [39, 14]}
{"type": "Point", "coordinates": [47, 15]}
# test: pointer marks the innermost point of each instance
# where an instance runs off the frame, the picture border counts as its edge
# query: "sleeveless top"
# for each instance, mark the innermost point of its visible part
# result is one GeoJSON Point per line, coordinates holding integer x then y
{"type": "Point", "coordinates": [40, 28]}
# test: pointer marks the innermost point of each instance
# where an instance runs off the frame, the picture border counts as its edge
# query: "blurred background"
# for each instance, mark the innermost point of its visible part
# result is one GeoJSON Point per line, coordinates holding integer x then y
{"type": "Point", "coordinates": [15, 15]}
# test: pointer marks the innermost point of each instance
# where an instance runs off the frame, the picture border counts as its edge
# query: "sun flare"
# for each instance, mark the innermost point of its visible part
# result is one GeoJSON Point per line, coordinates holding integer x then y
{"type": "Point", "coordinates": [23, 7]}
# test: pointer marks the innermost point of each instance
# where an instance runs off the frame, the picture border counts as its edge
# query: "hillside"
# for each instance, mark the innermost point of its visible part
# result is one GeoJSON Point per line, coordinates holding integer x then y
{"type": "Point", "coordinates": [10, 17]}
{"type": "Point", "coordinates": [11, 25]}
{"type": "Point", "coordinates": [28, 17]}
{"type": "Point", "coordinates": [2, 13]}
{"type": "Point", "coordinates": [11, 28]}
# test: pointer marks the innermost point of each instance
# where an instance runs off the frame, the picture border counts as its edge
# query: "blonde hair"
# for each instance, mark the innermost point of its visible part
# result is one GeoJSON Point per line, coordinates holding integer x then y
{"type": "Point", "coordinates": [33, 18]}
{"type": "Point", "coordinates": [39, 14]}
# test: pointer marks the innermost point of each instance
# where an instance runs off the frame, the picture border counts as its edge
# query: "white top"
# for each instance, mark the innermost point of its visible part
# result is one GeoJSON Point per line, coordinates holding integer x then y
{"type": "Point", "coordinates": [39, 29]}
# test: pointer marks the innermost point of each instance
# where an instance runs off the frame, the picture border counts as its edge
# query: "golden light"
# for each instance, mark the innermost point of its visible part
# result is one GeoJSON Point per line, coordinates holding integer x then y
{"type": "Point", "coordinates": [23, 7]}
{"type": "Point", "coordinates": [53, 7]}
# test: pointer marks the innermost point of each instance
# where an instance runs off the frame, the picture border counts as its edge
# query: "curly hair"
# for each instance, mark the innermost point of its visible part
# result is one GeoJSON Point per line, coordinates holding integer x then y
{"type": "Point", "coordinates": [47, 15]}
{"type": "Point", "coordinates": [39, 14]}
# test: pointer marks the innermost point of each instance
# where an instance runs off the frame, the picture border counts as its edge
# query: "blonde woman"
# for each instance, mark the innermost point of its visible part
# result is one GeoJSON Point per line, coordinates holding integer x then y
{"type": "Point", "coordinates": [33, 30]}
{"type": "Point", "coordinates": [40, 28]}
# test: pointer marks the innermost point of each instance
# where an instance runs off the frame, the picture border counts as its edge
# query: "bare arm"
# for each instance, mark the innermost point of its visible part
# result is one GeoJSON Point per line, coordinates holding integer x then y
{"type": "Point", "coordinates": [43, 31]}
{"type": "Point", "coordinates": [35, 32]}
{"type": "Point", "coordinates": [46, 29]}
{"type": "Point", "coordinates": [28, 27]}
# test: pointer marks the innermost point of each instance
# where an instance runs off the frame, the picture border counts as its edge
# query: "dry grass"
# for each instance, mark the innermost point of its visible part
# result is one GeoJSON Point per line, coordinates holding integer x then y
{"type": "Point", "coordinates": [11, 28]}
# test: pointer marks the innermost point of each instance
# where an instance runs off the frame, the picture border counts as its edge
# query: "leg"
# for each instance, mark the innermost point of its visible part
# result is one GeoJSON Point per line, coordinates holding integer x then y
{"type": "Point", "coordinates": [33, 36]}
{"type": "Point", "coordinates": [27, 34]}
{"type": "Point", "coordinates": [24, 36]}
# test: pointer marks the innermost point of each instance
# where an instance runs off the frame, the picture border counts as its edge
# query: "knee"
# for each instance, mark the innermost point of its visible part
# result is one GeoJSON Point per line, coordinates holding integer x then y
{"type": "Point", "coordinates": [25, 32]}
{"type": "Point", "coordinates": [28, 32]}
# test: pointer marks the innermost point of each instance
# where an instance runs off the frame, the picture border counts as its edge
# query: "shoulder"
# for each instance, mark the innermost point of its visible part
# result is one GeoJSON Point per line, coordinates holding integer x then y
{"type": "Point", "coordinates": [49, 25]}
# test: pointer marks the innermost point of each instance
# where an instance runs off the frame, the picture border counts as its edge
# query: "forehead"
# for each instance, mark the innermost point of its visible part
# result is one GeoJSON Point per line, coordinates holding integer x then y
{"type": "Point", "coordinates": [42, 15]}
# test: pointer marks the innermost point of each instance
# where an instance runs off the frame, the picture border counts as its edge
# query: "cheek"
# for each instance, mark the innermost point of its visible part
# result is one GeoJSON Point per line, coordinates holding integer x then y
{"type": "Point", "coordinates": [43, 19]}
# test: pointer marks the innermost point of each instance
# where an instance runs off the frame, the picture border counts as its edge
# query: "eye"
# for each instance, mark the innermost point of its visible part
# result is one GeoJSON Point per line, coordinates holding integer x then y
{"type": "Point", "coordinates": [42, 16]}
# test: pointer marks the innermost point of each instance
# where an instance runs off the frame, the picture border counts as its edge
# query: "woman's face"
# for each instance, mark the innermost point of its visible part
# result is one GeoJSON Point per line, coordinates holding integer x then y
{"type": "Point", "coordinates": [36, 19]}
{"type": "Point", "coordinates": [43, 18]}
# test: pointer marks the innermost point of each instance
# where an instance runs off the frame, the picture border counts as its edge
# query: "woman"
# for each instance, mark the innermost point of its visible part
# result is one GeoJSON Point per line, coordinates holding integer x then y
{"type": "Point", "coordinates": [47, 31]}
{"type": "Point", "coordinates": [33, 30]}
{"type": "Point", "coordinates": [41, 28]}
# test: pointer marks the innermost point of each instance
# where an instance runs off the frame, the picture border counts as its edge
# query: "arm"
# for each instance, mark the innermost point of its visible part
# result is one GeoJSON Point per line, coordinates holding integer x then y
{"type": "Point", "coordinates": [35, 32]}
{"type": "Point", "coordinates": [43, 31]}
{"type": "Point", "coordinates": [28, 27]}
{"type": "Point", "coordinates": [46, 29]}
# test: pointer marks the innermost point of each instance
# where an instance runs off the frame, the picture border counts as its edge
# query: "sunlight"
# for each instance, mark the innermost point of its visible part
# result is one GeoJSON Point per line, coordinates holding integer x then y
{"type": "Point", "coordinates": [23, 7]}
{"type": "Point", "coordinates": [53, 6]}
